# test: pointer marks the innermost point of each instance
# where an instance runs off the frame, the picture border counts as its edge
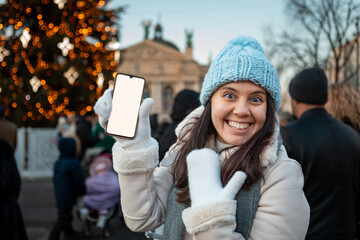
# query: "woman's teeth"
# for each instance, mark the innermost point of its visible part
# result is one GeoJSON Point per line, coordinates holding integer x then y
{"type": "Point", "coordinates": [237, 125]}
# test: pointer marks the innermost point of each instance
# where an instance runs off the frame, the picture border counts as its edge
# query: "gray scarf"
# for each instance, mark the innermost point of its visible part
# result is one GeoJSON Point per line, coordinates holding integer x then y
{"type": "Point", "coordinates": [247, 203]}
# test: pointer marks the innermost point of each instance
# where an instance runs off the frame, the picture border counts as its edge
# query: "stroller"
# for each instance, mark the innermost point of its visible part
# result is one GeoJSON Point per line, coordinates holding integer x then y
{"type": "Point", "coordinates": [92, 218]}
{"type": "Point", "coordinates": [102, 200]}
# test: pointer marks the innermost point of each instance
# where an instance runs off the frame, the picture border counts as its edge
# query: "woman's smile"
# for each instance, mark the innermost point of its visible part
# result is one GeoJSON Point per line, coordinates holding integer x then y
{"type": "Point", "coordinates": [237, 125]}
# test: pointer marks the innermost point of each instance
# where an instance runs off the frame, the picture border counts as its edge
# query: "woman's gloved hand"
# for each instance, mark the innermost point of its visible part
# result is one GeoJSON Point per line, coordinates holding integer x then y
{"type": "Point", "coordinates": [211, 203]}
{"type": "Point", "coordinates": [103, 107]}
{"type": "Point", "coordinates": [204, 179]}
{"type": "Point", "coordinates": [131, 156]}
{"type": "Point", "coordinates": [143, 133]}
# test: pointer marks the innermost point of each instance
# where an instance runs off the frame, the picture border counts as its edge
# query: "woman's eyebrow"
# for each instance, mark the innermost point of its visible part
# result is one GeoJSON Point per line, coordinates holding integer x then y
{"type": "Point", "coordinates": [259, 92]}
{"type": "Point", "coordinates": [228, 88]}
{"type": "Point", "coordinates": [233, 89]}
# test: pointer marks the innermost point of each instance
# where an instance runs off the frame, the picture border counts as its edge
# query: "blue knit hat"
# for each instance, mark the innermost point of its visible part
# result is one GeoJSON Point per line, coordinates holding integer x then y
{"type": "Point", "coordinates": [242, 59]}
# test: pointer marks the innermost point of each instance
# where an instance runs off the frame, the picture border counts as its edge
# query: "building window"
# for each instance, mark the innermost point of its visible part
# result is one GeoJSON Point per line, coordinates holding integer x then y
{"type": "Point", "coordinates": [168, 96]}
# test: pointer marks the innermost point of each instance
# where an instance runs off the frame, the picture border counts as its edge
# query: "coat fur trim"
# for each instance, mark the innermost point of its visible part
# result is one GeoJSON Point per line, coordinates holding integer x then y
{"type": "Point", "coordinates": [203, 218]}
{"type": "Point", "coordinates": [128, 162]}
{"type": "Point", "coordinates": [269, 156]}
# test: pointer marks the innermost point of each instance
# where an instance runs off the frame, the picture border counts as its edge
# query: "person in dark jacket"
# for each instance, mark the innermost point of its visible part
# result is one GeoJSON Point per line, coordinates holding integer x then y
{"type": "Point", "coordinates": [84, 132]}
{"type": "Point", "coordinates": [329, 153]}
{"type": "Point", "coordinates": [11, 220]}
{"type": "Point", "coordinates": [69, 184]}
{"type": "Point", "coordinates": [8, 130]}
{"type": "Point", "coordinates": [185, 101]}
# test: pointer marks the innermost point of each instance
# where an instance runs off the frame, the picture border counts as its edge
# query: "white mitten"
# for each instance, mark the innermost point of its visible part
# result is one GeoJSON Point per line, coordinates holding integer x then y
{"type": "Point", "coordinates": [143, 131]}
{"type": "Point", "coordinates": [140, 154]}
{"type": "Point", "coordinates": [211, 203]}
{"type": "Point", "coordinates": [131, 156]}
{"type": "Point", "coordinates": [103, 107]}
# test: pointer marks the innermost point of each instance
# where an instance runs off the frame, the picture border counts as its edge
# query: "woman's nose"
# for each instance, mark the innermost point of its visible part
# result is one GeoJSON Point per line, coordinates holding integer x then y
{"type": "Point", "coordinates": [241, 109]}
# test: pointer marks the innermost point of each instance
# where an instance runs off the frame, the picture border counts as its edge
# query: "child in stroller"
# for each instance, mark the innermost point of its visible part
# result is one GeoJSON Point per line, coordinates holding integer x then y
{"type": "Point", "coordinates": [102, 198]}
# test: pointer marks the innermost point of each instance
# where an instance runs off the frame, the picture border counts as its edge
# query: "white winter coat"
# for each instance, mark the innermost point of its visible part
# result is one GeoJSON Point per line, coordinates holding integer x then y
{"type": "Point", "coordinates": [283, 211]}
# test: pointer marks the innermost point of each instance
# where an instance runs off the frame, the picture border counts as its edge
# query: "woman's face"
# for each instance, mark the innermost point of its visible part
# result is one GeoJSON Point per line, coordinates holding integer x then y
{"type": "Point", "coordinates": [238, 111]}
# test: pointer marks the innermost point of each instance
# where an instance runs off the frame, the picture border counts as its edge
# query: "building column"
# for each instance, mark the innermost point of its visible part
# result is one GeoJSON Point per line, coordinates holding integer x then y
{"type": "Point", "coordinates": [156, 94]}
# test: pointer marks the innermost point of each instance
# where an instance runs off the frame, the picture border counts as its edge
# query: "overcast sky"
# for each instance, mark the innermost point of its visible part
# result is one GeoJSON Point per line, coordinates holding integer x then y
{"type": "Point", "coordinates": [214, 22]}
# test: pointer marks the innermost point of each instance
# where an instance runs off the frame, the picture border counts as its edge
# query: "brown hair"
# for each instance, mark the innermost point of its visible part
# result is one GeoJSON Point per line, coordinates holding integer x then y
{"type": "Point", "coordinates": [246, 158]}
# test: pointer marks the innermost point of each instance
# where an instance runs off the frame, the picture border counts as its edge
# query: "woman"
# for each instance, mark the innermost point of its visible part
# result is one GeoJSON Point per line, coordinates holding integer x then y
{"type": "Point", "coordinates": [232, 140]}
{"type": "Point", "coordinates": [344, 103]}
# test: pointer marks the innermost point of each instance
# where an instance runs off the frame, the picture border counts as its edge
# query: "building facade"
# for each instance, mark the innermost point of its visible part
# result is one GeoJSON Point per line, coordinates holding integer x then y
{"type": "Point", "coordinates": [165, 69]}
{"type": "Point", "coordinates": [348, 63]}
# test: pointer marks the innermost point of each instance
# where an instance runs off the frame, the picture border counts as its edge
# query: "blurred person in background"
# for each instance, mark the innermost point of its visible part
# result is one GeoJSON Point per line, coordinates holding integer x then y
{"type": "Point", "coordinates": [66, 128]}
{"type": "Point", "coordinates": [11, 220]}
{"type": "Point", "coordinates": [8, 130]}
{"type": "Point", "coordinates": [329, 154]}
{"type": "Point", "coordinates": [185, 102]}
{"type": "Point", "coordinates": [285, 117]}
{"type": "Point", "coordinates": [69, 185]}
{"type": "Point", "coordinates": [105, 142]}
{"type": "Point", "coordinates": [84, 127]}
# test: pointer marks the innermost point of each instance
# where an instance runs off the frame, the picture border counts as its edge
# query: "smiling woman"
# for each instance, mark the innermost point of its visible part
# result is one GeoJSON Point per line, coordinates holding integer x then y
{"type": "Point", "coordinates": [228, 175]}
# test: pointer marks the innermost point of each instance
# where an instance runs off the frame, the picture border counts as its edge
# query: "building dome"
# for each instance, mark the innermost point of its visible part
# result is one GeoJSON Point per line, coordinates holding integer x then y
{"type": "Point", "coordinates": [159, 39]}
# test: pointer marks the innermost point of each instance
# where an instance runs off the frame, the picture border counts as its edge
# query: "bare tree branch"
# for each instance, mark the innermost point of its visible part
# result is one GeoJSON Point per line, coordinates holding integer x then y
{"type": "Point", "coordinates": [324, 29]}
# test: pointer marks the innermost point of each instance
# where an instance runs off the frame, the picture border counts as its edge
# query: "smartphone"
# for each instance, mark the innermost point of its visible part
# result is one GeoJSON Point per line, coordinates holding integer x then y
{"type": "Point", "coordinates": [127, 96]}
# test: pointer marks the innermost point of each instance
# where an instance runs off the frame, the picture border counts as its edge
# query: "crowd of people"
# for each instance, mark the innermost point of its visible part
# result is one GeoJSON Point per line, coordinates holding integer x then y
{"type": "Point", "coordinates": [227, 164]}
{"type": "Point", "coordinates": [83, 176]}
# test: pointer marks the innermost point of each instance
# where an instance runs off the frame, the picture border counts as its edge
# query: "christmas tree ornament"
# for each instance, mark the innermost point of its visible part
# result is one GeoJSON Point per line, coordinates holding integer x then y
{"type": "Point", "coordinates": [60, 3]}
{"type": "Point", "coordinates": [35, 84]}
{"type": "Point", "coordinates": [3, 53]}
{"type": "Point", "coordinates": [25, 38]}
{"type": "Point", "coordinates": [65, 46]}
{"type": "Point", "coordinates": [71, 75]}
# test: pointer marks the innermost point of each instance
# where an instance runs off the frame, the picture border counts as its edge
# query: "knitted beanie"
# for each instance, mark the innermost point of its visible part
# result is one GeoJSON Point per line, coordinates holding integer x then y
{"type": "Point", "coordinates": [242, 59]}
{"type": "Point", "coordinates": [309, 86]}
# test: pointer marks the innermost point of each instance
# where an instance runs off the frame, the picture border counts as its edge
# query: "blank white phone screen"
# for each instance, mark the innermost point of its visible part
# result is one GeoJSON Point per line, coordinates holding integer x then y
{"type": "Point", "coordinates": [126, 102]}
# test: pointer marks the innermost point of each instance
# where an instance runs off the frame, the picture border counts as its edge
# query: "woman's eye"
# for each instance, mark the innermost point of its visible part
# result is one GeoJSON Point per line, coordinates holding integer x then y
{"type": "Point", "coordinates": [228, 95]}
{"type": "Point", "coordinates": [256, 99]}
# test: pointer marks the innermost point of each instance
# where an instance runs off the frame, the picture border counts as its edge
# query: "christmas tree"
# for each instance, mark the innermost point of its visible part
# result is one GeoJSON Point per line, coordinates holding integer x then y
{"type": "Point", "coordinates": [56, 56]}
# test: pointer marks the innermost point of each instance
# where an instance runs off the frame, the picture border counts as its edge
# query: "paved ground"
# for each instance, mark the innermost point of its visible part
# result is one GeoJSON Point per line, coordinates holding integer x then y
{"type": "Point", "coordinates": [38, 208]}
